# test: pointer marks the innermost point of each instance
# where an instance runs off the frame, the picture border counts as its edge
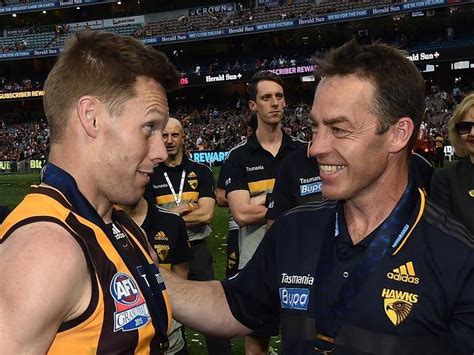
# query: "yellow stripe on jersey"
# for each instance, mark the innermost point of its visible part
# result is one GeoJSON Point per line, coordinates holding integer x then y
{"type": "Point", "coordinates": [71, 341]}
{"type": "Point", "coordinates": [146, 333]}
{"type": "Point", "coordinates": [260, 186]}
{"type": "Point", "coordinates": [190, 196]}
{"type": "Point", "coordinates": [84, 338]}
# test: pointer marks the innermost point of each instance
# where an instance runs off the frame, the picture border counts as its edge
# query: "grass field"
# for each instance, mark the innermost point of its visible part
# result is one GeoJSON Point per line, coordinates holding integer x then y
{"type": "Point", "coordinates": [14, 187]}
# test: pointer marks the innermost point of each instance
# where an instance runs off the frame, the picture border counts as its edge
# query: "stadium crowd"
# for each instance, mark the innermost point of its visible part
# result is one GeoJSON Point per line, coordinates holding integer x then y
{"type": "Point", "coordinates": [82, 185]}
{"type": "Point", "coordinates": [249, 15]}
{"type": "Point", "coordinates": [23, 84]}
{"type": "Point", "coordinates": [22, 141]}
{"type": "Point", "coordinates": [219, 128]}
{"type": "Point", "coordinates": [241, 16]}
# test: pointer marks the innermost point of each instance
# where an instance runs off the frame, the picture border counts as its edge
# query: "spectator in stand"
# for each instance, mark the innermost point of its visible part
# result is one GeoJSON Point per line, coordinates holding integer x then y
{"type": "Point", "coordinates": [453, 187]}
{"type": "Point", "coordinates": [439, 142]}
{"type": "Point", "coordinates": [23, 141]}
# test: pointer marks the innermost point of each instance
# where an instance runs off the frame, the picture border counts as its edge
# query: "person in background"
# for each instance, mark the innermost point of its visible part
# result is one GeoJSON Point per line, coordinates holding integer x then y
{"type": "Point", "coordinates": [187, 187]}
{"type": "Point", "coordinates": [232, 249]}
{"type": "Point", "coordinates": [453, 188]}
{"type": "Point", "coordinates": [166, 233]}
{"type": "Point", "coordinates": [251, 168]}
{"type": "Point", "coordinates": [439, 144]}
{"type": "Point", "coordinates": [297, 183]}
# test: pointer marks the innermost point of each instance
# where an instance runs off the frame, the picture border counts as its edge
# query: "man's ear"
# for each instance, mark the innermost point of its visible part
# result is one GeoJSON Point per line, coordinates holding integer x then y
{"type": "Point", "coordinates": [252, 105]}
{"type": "Point", "coordinates": [401, 133]}
{"type": "Point", "coordinates": [87, 111]}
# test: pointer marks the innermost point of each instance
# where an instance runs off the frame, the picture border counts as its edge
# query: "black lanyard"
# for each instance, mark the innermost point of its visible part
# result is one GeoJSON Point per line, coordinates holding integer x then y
{"type": "Point", "coordinates": [387, 238]}
{"type": "Point", "coordinates": [149, 285]}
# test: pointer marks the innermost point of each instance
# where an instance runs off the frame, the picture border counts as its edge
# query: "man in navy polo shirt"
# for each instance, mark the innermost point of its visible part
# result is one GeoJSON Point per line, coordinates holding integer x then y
{"type": "Point", "coordinates": [374, 269]}
{"type": "Point", "coordinates": [297, 182]}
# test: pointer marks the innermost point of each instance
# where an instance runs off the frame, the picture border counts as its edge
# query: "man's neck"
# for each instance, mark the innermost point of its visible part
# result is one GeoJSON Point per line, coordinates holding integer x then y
{"type": "Point", "coordinates": [364, 214]}
{"type": "Point", "coordinates": [270, 137]}
{"type": "Point", "coordinates": [137, 212]}
{"type": "Point", "coordinates": [82, 177]}
{"type": "Point", "coordinates": [175, 160]}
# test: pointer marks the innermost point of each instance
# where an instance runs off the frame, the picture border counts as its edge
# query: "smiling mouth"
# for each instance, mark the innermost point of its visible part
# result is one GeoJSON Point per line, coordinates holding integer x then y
{"type": "Point", "coordinates": [331, 169]}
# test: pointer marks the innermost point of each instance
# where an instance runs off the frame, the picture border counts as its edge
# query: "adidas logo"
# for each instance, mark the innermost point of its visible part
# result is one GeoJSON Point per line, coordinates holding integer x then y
{"type": "Point", "coordinates": [404, 273]}
{"type": "Point", "coordinates": [117, 232]}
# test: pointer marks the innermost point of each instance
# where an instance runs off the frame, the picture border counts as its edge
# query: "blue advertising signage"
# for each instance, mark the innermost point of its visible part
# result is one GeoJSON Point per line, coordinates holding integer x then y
{"type": "Point", "coordinates": [209, 157]}
{"type": "Point", "coordinates": [255, 28]}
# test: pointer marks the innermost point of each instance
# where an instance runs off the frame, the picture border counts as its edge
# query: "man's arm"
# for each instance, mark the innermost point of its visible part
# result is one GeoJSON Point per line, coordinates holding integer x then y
{"type": "Point", "coordinates": [181, 269]}
{"type": "Point", "coordinates": [221, 200]}
{"type": "Point", "coordinates": [45, 281]}
{"type": "Point", "coordinates": [246, 210]}
{"type": "Point", "coordinates": [202, 305]}
{"type": "Point", "coordinates": [202, 213]}
{"type": "Point", "coordinates": [269, 224]}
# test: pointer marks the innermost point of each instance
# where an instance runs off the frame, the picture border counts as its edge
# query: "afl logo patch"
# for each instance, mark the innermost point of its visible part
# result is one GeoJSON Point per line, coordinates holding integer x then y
{"type": "Point", "coordinates": [131, 310]}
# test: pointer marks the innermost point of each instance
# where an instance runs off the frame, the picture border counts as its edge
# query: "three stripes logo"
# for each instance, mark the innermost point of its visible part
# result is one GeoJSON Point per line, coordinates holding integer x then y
{"type": "Point", "coordinates": [404, 273]}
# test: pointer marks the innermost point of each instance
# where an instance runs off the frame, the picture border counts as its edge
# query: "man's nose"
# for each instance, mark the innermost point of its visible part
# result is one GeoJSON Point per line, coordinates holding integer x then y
{"type": "Point", "coordinates": [321, 144]}
{"type": "Point", "coordinates": [157, 151]}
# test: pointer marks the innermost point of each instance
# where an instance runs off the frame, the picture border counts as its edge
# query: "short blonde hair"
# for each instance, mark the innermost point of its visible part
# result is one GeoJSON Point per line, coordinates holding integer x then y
{"type": "Point", "coordinates": [458, 115]}
{"type": "Point", "coordinates": [104, 65]}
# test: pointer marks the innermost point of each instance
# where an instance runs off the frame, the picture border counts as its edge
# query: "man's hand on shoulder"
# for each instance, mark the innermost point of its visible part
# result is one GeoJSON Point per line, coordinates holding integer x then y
{"type": "Point", "coordinates": [45, 281]}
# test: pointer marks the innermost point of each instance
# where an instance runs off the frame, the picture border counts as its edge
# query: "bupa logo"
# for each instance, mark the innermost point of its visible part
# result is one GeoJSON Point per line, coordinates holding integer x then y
{"type": "Point", "coordinates": [310, 189]}
{"type": "Point", "coordinates": [294, 298]}
{"type": "Point", "coordinates": [131, 311]}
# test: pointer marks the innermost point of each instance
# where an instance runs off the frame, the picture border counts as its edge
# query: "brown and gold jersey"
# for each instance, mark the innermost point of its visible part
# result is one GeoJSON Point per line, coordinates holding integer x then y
{"type": "Point", "coordinates": [117, 319]}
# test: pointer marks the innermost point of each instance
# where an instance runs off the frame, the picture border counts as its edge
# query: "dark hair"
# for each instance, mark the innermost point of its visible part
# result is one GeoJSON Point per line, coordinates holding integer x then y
{"type": "Point", "coordinates": [253, 121]}
{"type": "Point", "coordinates": [258, 77]}
{"type": "Point", "coordinates": [399, 86]}
{"type": "Point", "coordinates": [104, 65]}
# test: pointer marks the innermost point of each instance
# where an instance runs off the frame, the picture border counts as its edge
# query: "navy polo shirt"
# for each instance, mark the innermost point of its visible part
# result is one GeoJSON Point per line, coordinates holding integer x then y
{"type": "Point", "coordinates": [297, 183]}
{"type": "Point", "coordinates": [325, 293]}
{"type": "Point", "coordinates": [250, 167]}
{"type": "Point", "coordinates": [198, 183]}
{"type": "Point", "coordinates": [166, 233]}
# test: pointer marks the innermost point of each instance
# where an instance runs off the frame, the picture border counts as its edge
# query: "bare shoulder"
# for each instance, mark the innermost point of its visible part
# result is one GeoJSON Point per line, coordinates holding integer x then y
{"type": "Point", "coordinates": [46, 281]}
{"type": "Point", "coordinates": [41, 244]}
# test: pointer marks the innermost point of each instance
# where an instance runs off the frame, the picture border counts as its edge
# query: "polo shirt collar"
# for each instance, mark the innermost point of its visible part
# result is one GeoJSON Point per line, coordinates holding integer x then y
{"type": "Point", "coordinates": [286, 141]}
{"type": "Point", "coordinates": [184, 162]}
